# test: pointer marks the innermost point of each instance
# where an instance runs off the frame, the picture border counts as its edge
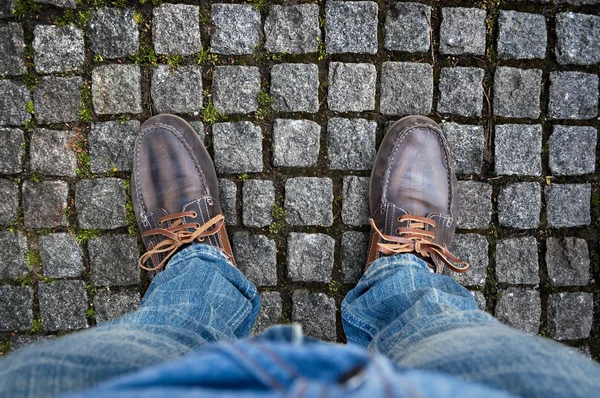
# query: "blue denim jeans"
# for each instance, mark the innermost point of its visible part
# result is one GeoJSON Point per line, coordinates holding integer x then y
{"type": "Point", "coordinates": [410, 332]}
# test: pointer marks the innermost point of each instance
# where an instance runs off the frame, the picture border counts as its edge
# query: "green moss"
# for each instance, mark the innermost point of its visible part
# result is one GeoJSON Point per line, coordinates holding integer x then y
{"type": "Point", "coordinates": [33, 259]}
{"type": "Point", "coordinates": [36, 177]}
{"type": "Point", "coordinates": [26, 280]}
{"type": "Point", "coordinates": [260, 5]}
{"type": "Point", "coordinates": [205, 57]}
{"type": "Point", "coordinates": [5, 348]}
{"type": "Point", "coordinates": [278, 225]}
{"type": "Point", "coordinates": [132, 227]}
{"type": "Point", "coordinates": [145, 55]}
{"type": "Point", "coordinates": [322, 51]}
{"type": "Point", "coordinates": [26, 8]}
{"type": "Point", "coordinates": [90, 289]}
{"type": "Point", "coordinates": [37, 326]}
{"type": "Point", "coordinates": [85, 111]}
{"type": "Point", "coordinates": [209, 112]}
{"type": "Point", "coordinates": [174, 61]}
{"type": "Point", "coordinates": [118, 3]}
{"type": "Point", "coordinates": [30, 108]}
{"type": "Point", "coordinates": [243, 177]}
{"type": "Point", "coordinates": [90, 313]}
{"type": "Point", "coordinates": [66, 19]}
{"type": "Point", "coordinates": [83, 169]}
{"type": "Point", "coordinates": [83, 235]}
{"type": "Point", "coordinates": [334, 287]}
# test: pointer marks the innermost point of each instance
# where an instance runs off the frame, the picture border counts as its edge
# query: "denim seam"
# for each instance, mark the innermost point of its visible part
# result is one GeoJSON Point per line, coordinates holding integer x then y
{"type": "Point", "coordinates": [357, 323]}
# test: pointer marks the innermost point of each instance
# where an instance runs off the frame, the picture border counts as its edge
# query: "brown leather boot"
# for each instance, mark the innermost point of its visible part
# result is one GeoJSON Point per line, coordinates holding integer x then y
{"type": "Point", "coordinates": [175, 192]}
{"type": "Point", "coordinates": [413, 195]}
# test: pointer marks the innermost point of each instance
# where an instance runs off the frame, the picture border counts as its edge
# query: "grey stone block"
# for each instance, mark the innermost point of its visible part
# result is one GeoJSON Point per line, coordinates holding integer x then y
{"type": "Point", "coordinates": [61, 256]}
{"type": "Point", "coordinates": [12, 150]}
{"type": "Point", "coordinates": [63, 305]}
{"type": "Point", "coordinates": [9, 192]}
{"type": "Point", "coordinates": [568, 205]}
{"type": "Point", "coordinates": [474, 204]}
{"type": "Point", "coordinates": [355, 201]}
{"type": "Point", "coordinates": [100, 203]}
{"type": "Point", "coordinates": [519, 205]}
{"type": "Point", "coordinates": [178, 91]}
{"type": "Point", "coordinates": [517, 92]}
{"type": "Point", "coordinates": [110, 305]}
{"type": "Point", "coordinates": [573, 95]}
{"type": "Point", "coordinates": [517, 260]}
{"type": "Point", "coordinates": [259, 198]}
{"type": "Point", "coordinates": [354, 255]}
{"type": "Point", "coordinates": [518, 149]}
{"type": "Point", "coordinates": [570, 315]}
{"type": "Point", "coordinates": [6, 8]}
{"type": "Point", "coordinates": [114, 260]}
{"type": "Point", "coordinates": [572, 150]}
{"type": "Point", "coordinates": [228, 198]}
{"type": "Point", "coordinates": [270, 311]}
{"type": "Point", "coordinates": [577, 39]}
{"type": "Point", "coordinates": [407, 27]}
{"type": "Point", "coordinates": [308, 201]}
{"type": "Point", "coordinates": [520, 308]}
{"type": "Point", "coordinates": [292, 29]}
{"type": "Point", "coordinates": [309, 257]}
{"type": "Point", "coordinates": [58, 48]}
{"type": "Point", "coordinates": [238, 147]}
{"type": "Point", "coordinates": [59, 3]}
{"type": "Point", "coordinates": [199, 129]}
{"type": "Point", "coordinates": [16, 311]}
{"type": "Point", "coordinates": [479, 300]}
{"type": "Point", "coordinates": [351, 87]}
{"type": "Point", "coordinates": [116, 89]}
{"type": "Point", "coordinates": [44, 204]}
{"type": "Point", "coordinates": [351, 27]}
{"type": "Point", "coordinates": [350, 143]}
{"type": "Point", "coordinates": [295, 143]}
{"type": "Point", "coordinates": [13, 107]}
{"type": "Point", "coordinates": [568, 261]}
{"type": "Point", "coordinates": [19, 342]}
{"type": "Point", "coordinates": [466, 145]}
{"type": "Point", "coordinates": [111, 145]}
{"type": "Point", "coordinates": [237, 29]}
{"type": "Point", "coordinates": [52, 152]}
{"type": "Point", "coordinates": [295, 87]}
{"type": "Point", "coordinates": [13, 247]}
{"type": "Point", "coordinates": [521, 35]}
{"type": "Point", "coordinates": [176, 29]}
{"type": "Point", "coordinates": [461, 91]}
{"type": "Point", "coordinates": [113, 32]}
{"type": "Point", "coordinates": [462, 31]}
{"type": "Point", "coordinates": [12, 43]}
{"type": "Point", "coordinates": [57, 99]}
{"type": "Point", "coordinates": [316, 313]}
{"type": "Point", "coordinates": [256, 258]}
{"type": "Point", "coordinates": [473, 249]}
{"type": "Point", "coordinates": [235, 89]}
{"type": "Point", "coordinates": [414, 81]}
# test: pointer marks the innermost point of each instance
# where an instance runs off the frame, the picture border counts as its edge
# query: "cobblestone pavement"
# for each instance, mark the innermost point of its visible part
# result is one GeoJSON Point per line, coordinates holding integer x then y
{"type": "Point", "coordinates": [292, 100]}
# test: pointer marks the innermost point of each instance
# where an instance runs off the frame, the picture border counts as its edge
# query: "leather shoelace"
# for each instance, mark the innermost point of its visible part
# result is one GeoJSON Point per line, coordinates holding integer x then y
{"type": "Point", "coordinates": [177, 235]}
{"type": "Point", "coordinates": [415, 238]}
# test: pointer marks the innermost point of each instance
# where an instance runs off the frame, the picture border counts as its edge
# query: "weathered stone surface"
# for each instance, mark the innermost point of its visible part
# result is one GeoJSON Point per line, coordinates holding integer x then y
{"type": "Point", "coordinates": [228, 198]}
{"type": "Point", "coordinates": [518, 149]}
{"type": "Point", "coordinates": [57, 99]}
{"type": "Point", "coordinates": [351, 87]}
{"type": "Point", "coordinates": [20, 341]}
{"type": "Point", "coordinates": [466, 145]}
{"type": "Point", "coordinates": [355, 201]}
{"type": "Point", "coordinates": [572, 150]}
{"type": "Point", "coordinates": [473, 249]}
{"type": "Point", "coordinates": [295, 87]}
{"type": "Point", "coordinates": [238, 147]}
{"type": "Point", "coordinates": [308, 201]}
{"type": "Point", "coordinates": [176, 29]}
{"type": "Point", "coordinates": [110, 305]}
{"type": "Point", "coordinates": [12, 150]}
{"type": "Point", "coordinates": [270, 311]}
{"type": "Point", "coordinates": [61, 256]}
{"type": "Point", "coordinates": [16, 311]}
{"type": "Point", "coordinates": [59, 3]}
{"type": "Point", "coordinates": [116, 89]}
{"type": "Point", "coordinates": [521, 35]}
{"type": "Point", "coordinates": [292, 29]}
{"type": "Point", "coordinates": [256, 257]}
{"type": "Point", "coordinates": [177, 91]}
{"type": "Point", "coordinates": [58, 48]}
{"type": "Point", "coordinates": [351, 27]}
{"type": "Point", "coordinates": [113, 32]}
{"type": "Point", "coordinates": [100, 203]}
{"type": "Point", "coordinates": [235, 89]}
{"type": "Point", "coordinates": [462, 31]}
{"type": "Point", "coordinates": [111, 145]}
{"type": "Point", "coordinates": [479, 300]}
{"type": "Point", "coordinates": [52, 153]}
{"type": "Point", "coordinates": [237, 29]}
{"type": "Point", "coordinates": [570, 315]}
{"type": "Point", "coordinates": [62, 305]}
{"type": "Point", "coordinates": [568, 205]}
{"type": "Point", "coordinates": [414, 81]}
{"type": "Point", "coordinates": [44, 204]}
{"type": "Point", "coordinates": [295, 143]}
{"type": "Point", "coordinates": [354, 255]}
{"type": "Point", "coordinates": [520, 308]}
{"type": "Point", "coordinates": [198, 127]}
{"type": "Point", "coordinates": [461, 91]}
{"type": "Point", "coordinates": [517, 260]}
{"type": "Point", "coordinates": [12, 43]}
{"type": "Point", "coordinates": [407, 27]}
{"type": "Point", "coordinates": [6, 8]}
{"type": "Point", "coordinates": [517, 92]}
{"type": "Point", "coordinates": [13, 247]}
{"type": "Point", "coordinates": [474, 204]}
{"type": "Point", "coordinates": [259, 198]}
{"type": "Point", "coordinates": [350, 143]}
{"type": "Point", "coordinates": [309, 257]}
{"type": "Point", "coordinates": [519, 205]}
{"type": "Point", "coordinates": [14, 97]}
{"type": "Point", "coordinates": [568, 261]}
{"type": "Point", "coordinates": [114, 260]}
{"type": "Point", "coordinates": [315, 312]}
{"type": "Point", "coordinates": [9, 192]}
{"type": "Point", "coordinates": [573, 95]}
{"type": "Point", "coordinates": [577, 39]}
